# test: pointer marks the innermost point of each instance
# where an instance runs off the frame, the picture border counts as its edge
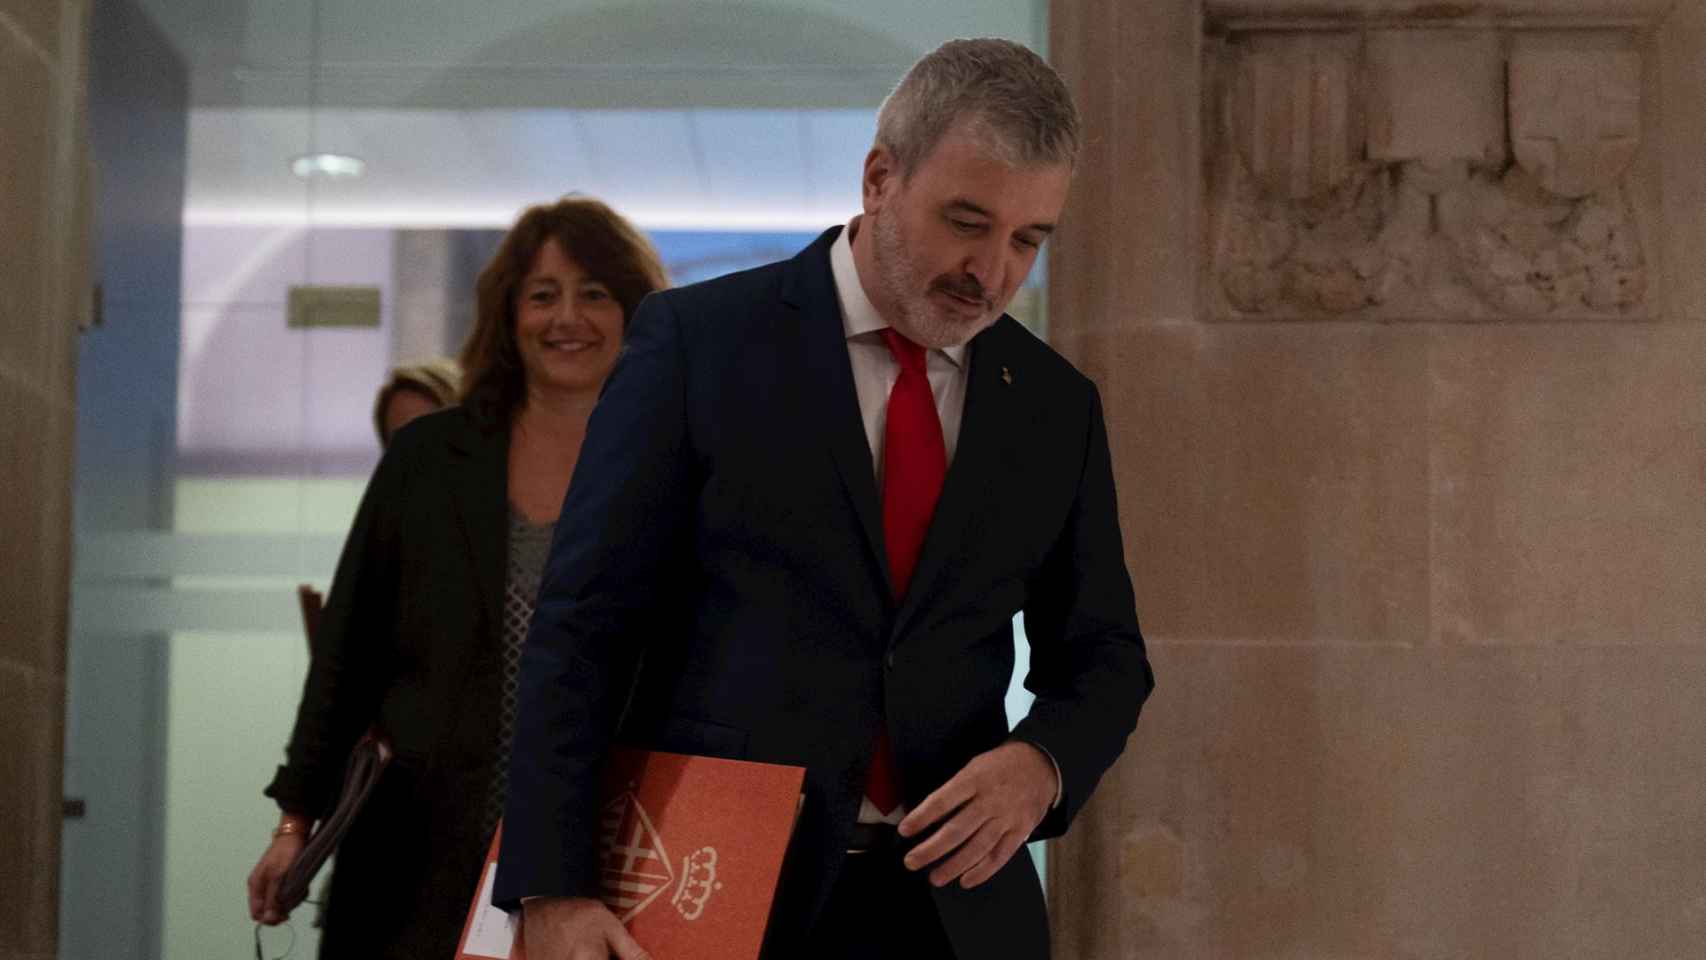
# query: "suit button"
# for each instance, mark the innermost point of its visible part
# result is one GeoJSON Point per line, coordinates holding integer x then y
{"type": "Point", "coordinates": [889, 660]}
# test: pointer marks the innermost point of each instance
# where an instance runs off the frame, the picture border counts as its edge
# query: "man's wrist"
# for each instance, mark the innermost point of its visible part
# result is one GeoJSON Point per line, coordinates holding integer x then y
{"type": "Point", "coordinates": [1059, 783]}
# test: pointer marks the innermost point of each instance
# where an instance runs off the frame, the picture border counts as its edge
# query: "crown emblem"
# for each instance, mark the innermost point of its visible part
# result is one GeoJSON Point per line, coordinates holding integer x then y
{"type": "Point", "coordinates": [636, 870]}
{"type": "Point", "coordinates": [698, 882]}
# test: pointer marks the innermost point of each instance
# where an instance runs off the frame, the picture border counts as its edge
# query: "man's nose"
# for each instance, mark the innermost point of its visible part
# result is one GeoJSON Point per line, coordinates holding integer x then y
{"type": "Point", "coordinates": [986, 261]}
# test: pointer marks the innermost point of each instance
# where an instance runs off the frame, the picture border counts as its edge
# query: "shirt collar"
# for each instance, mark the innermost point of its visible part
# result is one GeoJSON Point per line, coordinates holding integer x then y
{"type": "Point", "coordinates": [858, 315]}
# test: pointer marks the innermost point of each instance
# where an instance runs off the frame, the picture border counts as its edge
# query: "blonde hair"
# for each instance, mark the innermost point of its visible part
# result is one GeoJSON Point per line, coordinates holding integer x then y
{"type": "Point", "coordinates": [438, 378]}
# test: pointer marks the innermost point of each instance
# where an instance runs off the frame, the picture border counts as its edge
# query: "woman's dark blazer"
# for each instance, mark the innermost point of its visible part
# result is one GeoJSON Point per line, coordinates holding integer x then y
{"type": "Point", "coordinates": [410, 639]}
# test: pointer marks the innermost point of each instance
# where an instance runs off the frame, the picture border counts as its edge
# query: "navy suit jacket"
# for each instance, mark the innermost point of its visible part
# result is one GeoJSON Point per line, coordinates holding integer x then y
{"type": "Point", "coordinates": [718, 585]}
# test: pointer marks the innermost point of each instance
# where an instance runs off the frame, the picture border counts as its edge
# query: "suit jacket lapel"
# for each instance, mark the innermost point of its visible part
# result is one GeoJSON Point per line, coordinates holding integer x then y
{"type": "Point", "coordinates": [987, 437]}
{"type": "Point", "coordinates": [827, 385]}
{"type": "Point", "coordinates": [478, 487]}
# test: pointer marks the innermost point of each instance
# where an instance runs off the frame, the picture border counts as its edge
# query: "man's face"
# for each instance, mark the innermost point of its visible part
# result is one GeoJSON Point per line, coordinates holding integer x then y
{"type": "Point", "coordinates": [954, 240]}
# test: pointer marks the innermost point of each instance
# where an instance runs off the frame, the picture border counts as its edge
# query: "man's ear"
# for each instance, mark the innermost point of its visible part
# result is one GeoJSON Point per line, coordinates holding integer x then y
{"type": "Point", "coordinates": [881, 177]}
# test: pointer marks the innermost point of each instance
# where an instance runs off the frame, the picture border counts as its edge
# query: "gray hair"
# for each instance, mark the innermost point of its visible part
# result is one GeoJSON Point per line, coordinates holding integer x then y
{"type": "Point", "coordinates": [1018, 106]}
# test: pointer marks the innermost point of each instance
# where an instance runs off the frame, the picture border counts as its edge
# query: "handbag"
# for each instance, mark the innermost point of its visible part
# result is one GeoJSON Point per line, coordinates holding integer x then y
{"type": "Point", "coordinates": [367, 760]}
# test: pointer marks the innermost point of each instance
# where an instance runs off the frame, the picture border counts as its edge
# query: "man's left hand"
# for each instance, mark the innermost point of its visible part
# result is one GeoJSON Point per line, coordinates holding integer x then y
{"type": "Point", "coordinates": [990, 808]}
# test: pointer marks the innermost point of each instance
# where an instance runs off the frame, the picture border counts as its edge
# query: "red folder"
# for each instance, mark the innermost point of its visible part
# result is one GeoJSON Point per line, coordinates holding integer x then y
{"type": "Point", "coordinates": [691, 852]}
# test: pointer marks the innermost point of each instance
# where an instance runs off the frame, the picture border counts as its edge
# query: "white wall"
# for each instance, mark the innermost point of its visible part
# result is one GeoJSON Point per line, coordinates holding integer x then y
{"type": "Point", "coordinates": [256, 395]}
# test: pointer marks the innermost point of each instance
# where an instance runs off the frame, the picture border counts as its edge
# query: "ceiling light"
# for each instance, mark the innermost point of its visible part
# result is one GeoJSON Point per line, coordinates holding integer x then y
{"type": "Point", "coordinates": [336, 166]}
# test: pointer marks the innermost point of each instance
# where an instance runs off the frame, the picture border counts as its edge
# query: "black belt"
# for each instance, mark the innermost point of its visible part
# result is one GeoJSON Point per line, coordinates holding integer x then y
{"type": "Point", "coordinates": [872, 837]}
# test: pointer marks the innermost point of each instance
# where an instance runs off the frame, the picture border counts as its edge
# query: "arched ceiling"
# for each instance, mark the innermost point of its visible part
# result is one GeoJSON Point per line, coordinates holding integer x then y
{"type": "Point", "coordinates": [568, 53]}
{"type": "Point", "coordinates": [684, 113]}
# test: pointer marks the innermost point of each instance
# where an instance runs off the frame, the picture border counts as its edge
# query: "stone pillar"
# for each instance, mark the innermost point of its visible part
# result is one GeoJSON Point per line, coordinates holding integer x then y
{"type": "Point", "coordinates": [44, 293]}
{"type": "Point", "coordinates": [1397, 319]}
{"type": "Point", "coordinates": [434, 277]}
{"type": "Point", "coordinates": [424, 295]}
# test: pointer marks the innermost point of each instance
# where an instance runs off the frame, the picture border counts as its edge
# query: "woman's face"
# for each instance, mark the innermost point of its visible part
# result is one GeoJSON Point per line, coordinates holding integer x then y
{"type": "Point", "coordinates": [568, 326]}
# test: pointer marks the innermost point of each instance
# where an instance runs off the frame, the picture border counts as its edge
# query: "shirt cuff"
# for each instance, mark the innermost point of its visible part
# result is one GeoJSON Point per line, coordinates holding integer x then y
{"type": "Point", "coordinates": [1059, 783]}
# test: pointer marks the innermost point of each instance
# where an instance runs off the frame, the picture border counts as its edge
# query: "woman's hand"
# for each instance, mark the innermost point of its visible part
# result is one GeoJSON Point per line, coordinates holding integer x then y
{"type": "Point", "coordinates": [264, 879]}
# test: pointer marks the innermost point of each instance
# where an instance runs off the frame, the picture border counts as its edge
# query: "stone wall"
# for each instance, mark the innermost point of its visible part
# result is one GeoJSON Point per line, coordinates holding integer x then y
{"type": "Point", "coordinates": [1410, 481]}
{"type": "Point", "coordinates": [43, 294]}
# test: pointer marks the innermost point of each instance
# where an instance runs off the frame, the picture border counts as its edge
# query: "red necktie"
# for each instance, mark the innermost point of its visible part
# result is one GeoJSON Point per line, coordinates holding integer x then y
{"type": "Point", "coordinates": [915, 461]}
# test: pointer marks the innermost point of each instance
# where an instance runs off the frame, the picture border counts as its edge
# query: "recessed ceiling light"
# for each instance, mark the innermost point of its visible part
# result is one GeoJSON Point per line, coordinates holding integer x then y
{"type": "Point", "coordinates": [336, 166]}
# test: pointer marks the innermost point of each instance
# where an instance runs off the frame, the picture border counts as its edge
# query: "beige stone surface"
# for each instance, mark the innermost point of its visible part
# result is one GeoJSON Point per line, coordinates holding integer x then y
{"type": "Point", "coordinates": [1406, 485]}
{"type": "Point", "coordinates": [1575, 113]}
{"type": "Point", "coordinates": [24, 597]}
{"type": "Point", "coordinates": [1334, 801]}
{"type": "Point", "coordinates": [1153, 399]}
{"type": "Point", "coordinates": [1315, 484]}
{"type": "Point", "coordinates": [1470, 11]}
{"type": "Point", "coordinates": [45, 264]}
{"type": "Point", "coordinates": [38, 19]}
{"type": "Point", "coordinates": [1295, 110]}
{"type": "Point", "coordinates": [1273, 479]}
{"type": "Point", "coordinates": [1427, 600]}
{"type": "Point", "coordinates": [1136, 229]}
{"type": "Point", "coordinates": [1436, 96]}
{"type": "Point", "coordinates": [1681, 179]}
{"type": "Point", "coordinates": [31, 710]}
{"type": "Point", "coordinates": [26, 163]}
{"type": "Point", "coordinates": [1569, 468]}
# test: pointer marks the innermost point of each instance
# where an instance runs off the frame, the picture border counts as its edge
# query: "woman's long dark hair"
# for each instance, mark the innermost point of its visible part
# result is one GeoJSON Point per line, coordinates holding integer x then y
{"type": "Point", "coordinates": [601, 241]}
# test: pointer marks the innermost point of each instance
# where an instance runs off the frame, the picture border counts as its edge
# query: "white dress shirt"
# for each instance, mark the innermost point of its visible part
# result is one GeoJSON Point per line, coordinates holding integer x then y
{"type": "Point", "coordinates": [874, 372]}
{"type": "Point", "coordinates": [875, 368]}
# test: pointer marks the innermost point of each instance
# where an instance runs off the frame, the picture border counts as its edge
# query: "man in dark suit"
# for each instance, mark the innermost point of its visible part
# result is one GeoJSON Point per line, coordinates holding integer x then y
{"type": "Point", "coordinates": [810, 502]}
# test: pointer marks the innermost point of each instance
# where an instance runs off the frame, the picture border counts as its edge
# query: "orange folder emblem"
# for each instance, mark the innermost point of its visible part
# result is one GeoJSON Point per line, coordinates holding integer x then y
{"type": "Point", "coordinates": [691, 851]}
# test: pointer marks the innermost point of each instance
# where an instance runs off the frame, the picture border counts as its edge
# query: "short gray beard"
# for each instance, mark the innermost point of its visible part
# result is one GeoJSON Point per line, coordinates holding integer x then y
{"type": "Point", "coordinates": [922, 324]}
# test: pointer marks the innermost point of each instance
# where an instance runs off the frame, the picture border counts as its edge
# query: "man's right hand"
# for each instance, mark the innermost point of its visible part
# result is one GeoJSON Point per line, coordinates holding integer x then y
{"type": "Point", "coordinates": [575, 928]}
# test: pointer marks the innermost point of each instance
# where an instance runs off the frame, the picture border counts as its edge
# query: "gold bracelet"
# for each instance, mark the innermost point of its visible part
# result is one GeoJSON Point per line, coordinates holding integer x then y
{"type": "Point", "coordinates": [290, 826]}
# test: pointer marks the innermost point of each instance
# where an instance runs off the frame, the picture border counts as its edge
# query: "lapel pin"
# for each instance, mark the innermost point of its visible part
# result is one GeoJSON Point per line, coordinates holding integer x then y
{"type": "Point", "coordinates": [1007, 376]}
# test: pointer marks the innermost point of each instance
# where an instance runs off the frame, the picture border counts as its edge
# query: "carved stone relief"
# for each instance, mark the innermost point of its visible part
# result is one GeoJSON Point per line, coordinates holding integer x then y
{"type": "Point", "coordinates": [1421, 174]}
{"type": "Point", "coordinates": [1575, 116]}
{"type": "Point", "coordinates": [1292, 114]}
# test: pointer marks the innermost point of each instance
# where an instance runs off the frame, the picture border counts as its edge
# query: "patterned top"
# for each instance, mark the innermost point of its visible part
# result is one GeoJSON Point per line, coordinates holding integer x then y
{"type": "Point", "coordinates": [529, 543]}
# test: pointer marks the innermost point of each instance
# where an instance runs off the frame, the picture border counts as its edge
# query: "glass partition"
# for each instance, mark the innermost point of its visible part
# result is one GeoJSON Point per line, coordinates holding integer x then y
{"type": "Point", "coordinates": [253, 154]}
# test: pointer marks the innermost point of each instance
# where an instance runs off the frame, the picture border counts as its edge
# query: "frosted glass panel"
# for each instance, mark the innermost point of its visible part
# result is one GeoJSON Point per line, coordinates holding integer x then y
{"type": "Point", "coordinates": [233, 695]}
{"type": "Point", "coordinates": [222, 452]}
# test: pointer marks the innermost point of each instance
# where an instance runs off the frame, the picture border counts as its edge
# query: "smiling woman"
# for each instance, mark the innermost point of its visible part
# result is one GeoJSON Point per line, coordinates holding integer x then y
{"type": "Point", "coordinates": [552, 307]}
{"type": "Point", "coordinates": [568, 325]}
{"type": "Point", "coordinates": [562, 274]}
{"type": "Point", "coordinates": [422, 631]}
